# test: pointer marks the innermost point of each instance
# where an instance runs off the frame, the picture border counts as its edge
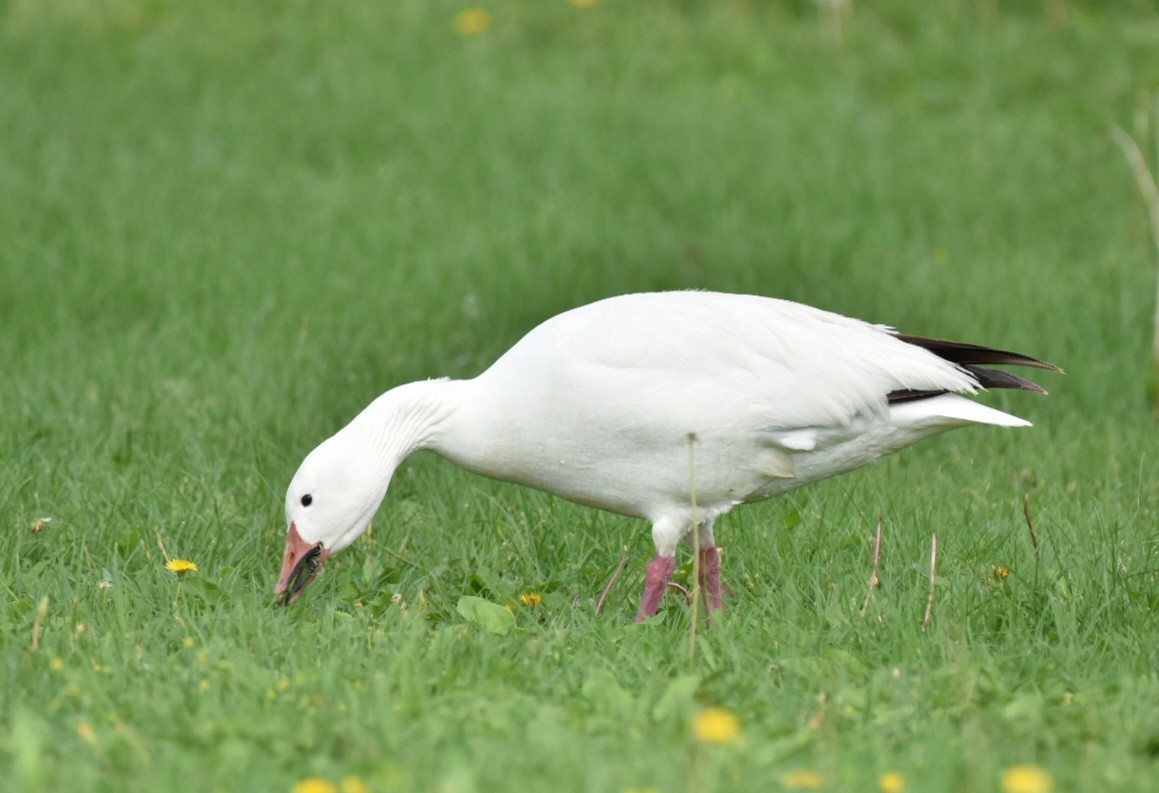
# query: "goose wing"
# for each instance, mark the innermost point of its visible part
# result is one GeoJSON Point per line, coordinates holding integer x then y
{"type": "Point", "coordinates": [717, 355]}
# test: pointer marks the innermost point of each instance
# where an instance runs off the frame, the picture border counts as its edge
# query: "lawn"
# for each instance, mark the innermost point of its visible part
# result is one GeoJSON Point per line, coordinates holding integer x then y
{"type": "Point", "coordinates": [226, 227]}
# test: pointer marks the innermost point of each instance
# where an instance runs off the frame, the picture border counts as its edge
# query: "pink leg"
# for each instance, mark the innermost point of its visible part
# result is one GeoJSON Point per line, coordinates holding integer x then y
{"type": "Point", "coordinates": [710, 577]}
{"type": "Point", "coordinates": [655, 582]}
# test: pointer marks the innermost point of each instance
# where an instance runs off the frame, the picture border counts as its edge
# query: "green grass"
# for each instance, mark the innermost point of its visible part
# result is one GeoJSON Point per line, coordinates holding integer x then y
{"type": "Point", "coordinates": [227, 227]}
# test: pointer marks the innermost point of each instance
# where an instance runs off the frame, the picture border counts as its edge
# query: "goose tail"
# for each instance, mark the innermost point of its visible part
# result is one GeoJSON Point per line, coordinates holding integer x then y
{"type": "Point", "coordinates": [949, 410]}
{"type": "Point", "coordinates": [970, 358]}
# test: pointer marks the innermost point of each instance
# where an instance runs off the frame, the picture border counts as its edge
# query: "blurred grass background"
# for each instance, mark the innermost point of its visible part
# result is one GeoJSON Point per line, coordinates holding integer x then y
{"type": "Point", "coordinates": [226, 227]}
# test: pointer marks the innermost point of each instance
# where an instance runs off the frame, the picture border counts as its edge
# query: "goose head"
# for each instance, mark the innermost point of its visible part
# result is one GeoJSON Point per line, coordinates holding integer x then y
{"type": "Point", "coordinates": [330, 502]}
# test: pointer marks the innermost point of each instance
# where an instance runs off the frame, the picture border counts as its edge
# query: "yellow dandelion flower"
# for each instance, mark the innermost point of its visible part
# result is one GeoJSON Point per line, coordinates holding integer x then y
{"type": "Point", "coordinates": [715, 725]}
{"type": "Point", "coordinates": [999, 572]}
{"type": "Point", "coordinates": [531, 600]}
{"type": "Point", "coordinates": [315, 785]}
{"type": "Point", "coordinates": [352, 784]}
{"type": "Point", "coordinates": [890, 782]}
{"type": "Point", "coordinates": [472, 22]}
{"type": "Point", "coordinates": [204, 685]}
{"type": "Point", "coordinates": [803, 780]}
{"type": "Point", "coordinates": [582, 3]}
{"type": "Point", "coordinates": [56, 664]}
{"type": "Point", "coordinates": [189, 642]}
{"type": "Point", "coordinates": [509, 607]}
{"type": "Point", "coordinates": [84, 731]}
{"type": "Point", "coordinates": [180, 566]}
{"type": "Point", "coordinates": [1026, 779]}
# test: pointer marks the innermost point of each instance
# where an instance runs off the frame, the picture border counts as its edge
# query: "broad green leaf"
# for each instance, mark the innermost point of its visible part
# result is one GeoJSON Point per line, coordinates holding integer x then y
{"type": "Point", "coordinates": [486, 615]}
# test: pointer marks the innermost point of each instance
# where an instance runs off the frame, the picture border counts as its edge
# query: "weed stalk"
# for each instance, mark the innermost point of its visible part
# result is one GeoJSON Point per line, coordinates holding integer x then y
{"type": "Point", "coordinates": [695, 545]}
{"type": "Point", "coordinates": [1146, 182]}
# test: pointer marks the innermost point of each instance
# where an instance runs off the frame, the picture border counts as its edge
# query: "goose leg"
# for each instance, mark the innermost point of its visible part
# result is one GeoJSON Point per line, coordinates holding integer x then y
{"type": "Point", "coordinates": [709, 580]}
{"type": "Point", "coordinates": [655, 582]}
{"type": "Point", "coordinates": [710, 577]}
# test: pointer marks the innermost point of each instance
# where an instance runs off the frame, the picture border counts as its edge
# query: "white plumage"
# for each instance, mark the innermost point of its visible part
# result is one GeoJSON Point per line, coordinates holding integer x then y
{"type": "Point", "coordinates": [601, 404]}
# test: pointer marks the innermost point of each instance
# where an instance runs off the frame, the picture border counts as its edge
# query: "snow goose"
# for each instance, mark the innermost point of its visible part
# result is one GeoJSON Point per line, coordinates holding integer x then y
{"type": "Point", "coordinates": [600, 405]}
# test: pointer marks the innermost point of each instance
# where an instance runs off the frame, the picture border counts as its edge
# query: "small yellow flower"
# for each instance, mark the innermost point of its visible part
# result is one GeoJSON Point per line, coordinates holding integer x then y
{"type": "Point", "coordinates": [180, 566]}
{"type": "Point", "coordinates": [56, 664]}
{"type": "Point", "coordinates": [803, 780]}
{"type": "Point", "coordinates": [84, 731]}
{"type": "Point", "coordinates": [715, 725]}
{"type": "Point", "coordinates": [189, 642]}
{"type": "Point", "coordinates": [352, 784]}
{"type": "Point", "coordinates": [509, 607]}
{"type": "Point", "coordinates": [999, 572]}
{"type": "Point", "coordinates": [890, 782]}
{"type": "Point", "coordinates": [1026, 779]}
{"type": "Point", "coordinates": [531, 600]}
{"type": "Point", "coordinates": [204, 685]}
{"type": "Point", "coordinates": [472, 22]}
{"type": "Point", "coordinates": [315, 785]}
{"type": "Point", "coordinates": [582, 3]}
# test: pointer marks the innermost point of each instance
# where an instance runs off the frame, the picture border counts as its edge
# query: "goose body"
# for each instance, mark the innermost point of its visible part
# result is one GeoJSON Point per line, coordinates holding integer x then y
{"type": "Point", "coordinates": [628, 403]}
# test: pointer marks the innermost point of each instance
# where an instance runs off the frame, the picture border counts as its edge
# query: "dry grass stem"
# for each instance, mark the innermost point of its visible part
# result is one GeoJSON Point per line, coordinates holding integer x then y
{"type": "Point", "coordinates": [1145, 180]}
{"type": "Point", "coordinates": [615, 575]}
{"type": "Point", "coordinates": [681, 590]}
{"type": "Point", "coordinates": [874, 582]}
{"type": "Point", "coordinates": [933, 580]}
{"type": "Point", "coordinates": [834, 12]}
{"type": "Point", "coordinates": [1029, 522]}
{"type": "Point", "coordinates": [37, 620]}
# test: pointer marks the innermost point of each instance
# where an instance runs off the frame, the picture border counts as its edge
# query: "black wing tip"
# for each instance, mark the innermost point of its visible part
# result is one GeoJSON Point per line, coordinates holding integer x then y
{"type": "Point", "coordinates": [969, 357]}
{"type": "Point", "coordinates": [996, 378]}
{"type": "Point", "coordinates": [962, 353]}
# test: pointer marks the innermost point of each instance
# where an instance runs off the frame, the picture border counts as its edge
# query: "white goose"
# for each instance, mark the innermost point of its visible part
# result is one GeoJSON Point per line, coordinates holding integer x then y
{"type": "Point", "coordinates": [600, 404]}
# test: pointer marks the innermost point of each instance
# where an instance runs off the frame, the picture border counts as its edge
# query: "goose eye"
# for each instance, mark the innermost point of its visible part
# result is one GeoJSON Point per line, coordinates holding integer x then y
{"type": "Point", "coordinates": [307, 500]}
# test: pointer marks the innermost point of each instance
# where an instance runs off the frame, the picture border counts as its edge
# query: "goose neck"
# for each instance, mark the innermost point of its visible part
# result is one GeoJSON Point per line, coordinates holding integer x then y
{"type": "Point", "coordinates": [406, 418]}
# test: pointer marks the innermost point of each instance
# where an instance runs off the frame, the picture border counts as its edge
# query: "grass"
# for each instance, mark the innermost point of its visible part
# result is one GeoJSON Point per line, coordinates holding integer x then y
{"type": "Point", "coordinates": [226, 228]}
